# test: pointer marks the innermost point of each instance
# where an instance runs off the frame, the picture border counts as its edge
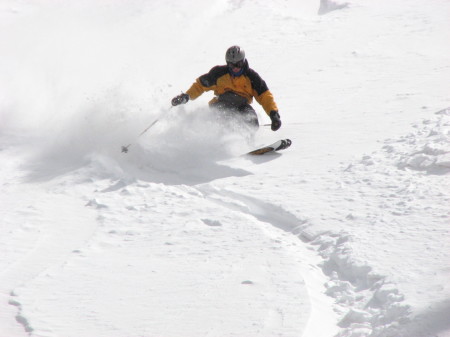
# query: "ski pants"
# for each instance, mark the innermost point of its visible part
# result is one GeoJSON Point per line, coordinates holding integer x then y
{"type": "Point", "coordinates": [234, 106]}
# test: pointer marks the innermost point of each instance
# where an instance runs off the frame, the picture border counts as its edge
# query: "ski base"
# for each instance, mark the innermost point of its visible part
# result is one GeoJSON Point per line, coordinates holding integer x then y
{"type": "Point", "coordinates": [277, 146]}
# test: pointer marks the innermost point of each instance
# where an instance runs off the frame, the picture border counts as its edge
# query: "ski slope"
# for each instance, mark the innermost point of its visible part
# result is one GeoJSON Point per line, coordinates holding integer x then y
{"type": "Point", "coordinates": [344, 234]}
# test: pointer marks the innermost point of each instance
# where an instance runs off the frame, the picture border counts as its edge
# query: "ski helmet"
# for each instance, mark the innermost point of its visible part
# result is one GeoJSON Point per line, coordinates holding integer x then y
{"type": "Point", "coordinates": [235, 54]}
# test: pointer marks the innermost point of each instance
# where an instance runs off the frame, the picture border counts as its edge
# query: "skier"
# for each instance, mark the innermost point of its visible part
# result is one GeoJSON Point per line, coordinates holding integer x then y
{"type": "Point", "coordinates": [234, 84]}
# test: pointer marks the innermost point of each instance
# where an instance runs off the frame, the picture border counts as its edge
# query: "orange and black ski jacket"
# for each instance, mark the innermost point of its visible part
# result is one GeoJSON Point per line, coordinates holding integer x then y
{"type": "Point", "coordinates": [247, 85]}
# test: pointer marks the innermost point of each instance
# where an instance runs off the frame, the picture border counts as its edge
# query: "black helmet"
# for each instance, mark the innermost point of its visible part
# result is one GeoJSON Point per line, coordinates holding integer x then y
{"type": "Point", "coordinates": [235, 54]}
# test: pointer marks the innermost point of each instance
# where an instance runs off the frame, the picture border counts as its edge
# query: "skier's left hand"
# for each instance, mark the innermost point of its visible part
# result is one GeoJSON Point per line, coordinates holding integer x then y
{"type": "Point", "coordinates": [276, 121]}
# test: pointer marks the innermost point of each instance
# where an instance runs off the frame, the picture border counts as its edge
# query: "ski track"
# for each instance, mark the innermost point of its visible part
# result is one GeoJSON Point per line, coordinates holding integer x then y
{"type": "Point", "coordinates": [366, 303]}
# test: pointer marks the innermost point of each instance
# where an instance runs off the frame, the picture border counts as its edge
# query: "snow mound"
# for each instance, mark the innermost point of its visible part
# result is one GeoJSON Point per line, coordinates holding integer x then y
{"type": "Point", "coordinates": [427, 149]}
{"type": "Point", "coordinates": [327, 6]}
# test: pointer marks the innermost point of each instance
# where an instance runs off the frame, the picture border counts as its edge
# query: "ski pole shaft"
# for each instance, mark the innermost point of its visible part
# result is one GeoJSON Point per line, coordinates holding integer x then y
{"type": "Point", "coordinates": [148, 127]}
{"type": "Point", "coordinates": [125, 148]}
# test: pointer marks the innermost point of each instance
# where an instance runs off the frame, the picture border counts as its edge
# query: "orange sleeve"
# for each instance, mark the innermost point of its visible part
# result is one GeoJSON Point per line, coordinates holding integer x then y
{"type": "Point", "coordinates": [267, 101]}
{"type": "Point", "coordinates": [196, 89]}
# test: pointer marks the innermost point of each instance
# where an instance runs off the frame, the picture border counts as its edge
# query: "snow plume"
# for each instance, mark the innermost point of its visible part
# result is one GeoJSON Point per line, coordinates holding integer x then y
{"type": "Point", "coordinates": [184, 147]}
{"type": "Point", "coordinates": [172, 150]}
{"type": "Point", "coordinates": [66, 138]}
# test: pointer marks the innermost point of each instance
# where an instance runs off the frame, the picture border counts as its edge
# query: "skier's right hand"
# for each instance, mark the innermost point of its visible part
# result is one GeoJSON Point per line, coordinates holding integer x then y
{"type": "Point", "coordinates": [180, 99]}
{"type": "Point", "coordinates": [276, 121]}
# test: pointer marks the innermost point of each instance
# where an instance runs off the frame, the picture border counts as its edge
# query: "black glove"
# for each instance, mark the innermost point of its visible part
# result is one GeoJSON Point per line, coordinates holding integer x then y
{"type": "Point", "coordinates": [276, 121]}
{"type": "Point", "coordinates": [180, 99]}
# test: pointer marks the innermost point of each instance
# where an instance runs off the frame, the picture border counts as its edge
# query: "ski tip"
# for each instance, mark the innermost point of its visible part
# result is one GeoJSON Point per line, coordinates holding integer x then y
{"type": "Point", "coordinates": [284, 144]}
{"type": "Point", "coordinates": [277, 146]}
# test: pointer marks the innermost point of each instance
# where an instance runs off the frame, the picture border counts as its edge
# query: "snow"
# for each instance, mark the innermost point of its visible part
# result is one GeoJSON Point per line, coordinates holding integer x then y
{"type": "Point", "coordinates": [346, 233]}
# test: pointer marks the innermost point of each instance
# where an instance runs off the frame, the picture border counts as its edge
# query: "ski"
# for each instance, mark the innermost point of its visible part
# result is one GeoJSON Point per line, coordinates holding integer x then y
{"type": "Point", "coordinates": [277, 146]}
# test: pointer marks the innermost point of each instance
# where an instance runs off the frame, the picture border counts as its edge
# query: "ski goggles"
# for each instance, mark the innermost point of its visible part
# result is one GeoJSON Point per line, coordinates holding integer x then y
{"type": "Point", "coordinates": [239, 64]}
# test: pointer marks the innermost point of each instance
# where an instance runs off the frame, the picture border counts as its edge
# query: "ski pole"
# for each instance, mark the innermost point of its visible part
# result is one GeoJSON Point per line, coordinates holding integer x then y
{"type": "Point", "coordinates": [125, 148]}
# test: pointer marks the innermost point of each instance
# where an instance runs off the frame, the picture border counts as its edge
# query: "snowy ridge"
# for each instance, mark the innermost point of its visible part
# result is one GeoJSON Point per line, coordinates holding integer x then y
{"type": "Point", "coordinates": [377, 306]}
{"type": "Point", "coordinates": [370, 303]}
